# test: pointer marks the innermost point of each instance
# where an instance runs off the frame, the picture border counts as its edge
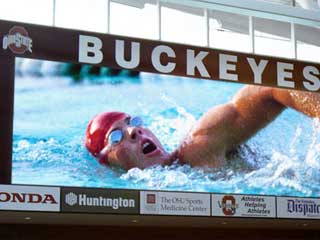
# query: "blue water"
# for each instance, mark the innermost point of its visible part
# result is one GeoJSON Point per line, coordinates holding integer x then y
{"type": "Point", "coordinates": [51, 114]}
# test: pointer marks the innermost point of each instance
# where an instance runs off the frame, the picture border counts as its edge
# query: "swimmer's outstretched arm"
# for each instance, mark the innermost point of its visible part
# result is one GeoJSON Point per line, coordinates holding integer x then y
{"type": "Point", "coordinates": [225, 127]}
{"type": "Point", "coordinates": [305, 102]}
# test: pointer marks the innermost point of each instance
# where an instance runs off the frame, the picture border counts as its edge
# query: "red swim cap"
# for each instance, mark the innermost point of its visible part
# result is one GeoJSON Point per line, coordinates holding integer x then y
{"type": "Point", "coordinates": [97, 130]}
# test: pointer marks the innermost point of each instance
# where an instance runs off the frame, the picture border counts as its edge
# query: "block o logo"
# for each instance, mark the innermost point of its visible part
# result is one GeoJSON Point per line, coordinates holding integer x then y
{"type": "Point", "coordinates": [71, 199]}
{"type": "Point", "coordinates": [229, 205]}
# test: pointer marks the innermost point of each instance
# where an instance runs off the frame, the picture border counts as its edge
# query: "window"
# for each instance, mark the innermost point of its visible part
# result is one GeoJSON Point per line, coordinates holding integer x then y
{"type": "Point", "coordinates": [31, 11]}
{"type": "Point", "coordinates": [85, 14]}
{"type": "Point", "coordinates": [308, 43]}
{"type": "Point", "coordinates": [273, 38]}
{"type": "Point", "coordinates": [183, 24]}
{"type": "Point", "coordinates": [139, 19]}
{"type": "Point", "coordinates": [229, 31]}
{"type": "Point", "coordinates": [308, 4]}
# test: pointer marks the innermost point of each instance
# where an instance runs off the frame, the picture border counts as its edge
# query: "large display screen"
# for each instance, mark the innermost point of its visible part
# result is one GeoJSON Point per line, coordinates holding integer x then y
{"type": "Point", "coordinates": [54, 103]}
{"type": "Point", "coordinates": [111, 112]}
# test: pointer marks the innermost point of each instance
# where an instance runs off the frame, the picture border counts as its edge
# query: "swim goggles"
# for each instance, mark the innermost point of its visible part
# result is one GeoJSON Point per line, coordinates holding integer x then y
{"type": "Point", "coordinates": [116, 135]}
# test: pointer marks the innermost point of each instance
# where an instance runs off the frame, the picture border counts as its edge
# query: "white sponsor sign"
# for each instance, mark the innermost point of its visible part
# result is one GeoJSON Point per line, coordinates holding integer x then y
{"type": "Point", "coordinates": [291, 207]}
{"type": "Point", "coordinates": [29, 198]}
{"type": "Point", "coordinates": [243, 205]}
{"type": "Point", "coordinates": [173, 203]}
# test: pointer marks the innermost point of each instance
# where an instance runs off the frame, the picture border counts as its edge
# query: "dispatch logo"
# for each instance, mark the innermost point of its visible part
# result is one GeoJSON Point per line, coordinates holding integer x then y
{"type": "Point", "coordinates": [306, 207]}
{"type": "Point", "coordinates": [71, 199]}
{"type": "Point", "coordinates": [228, 205]}
{"type": "Point", "coordinates": [17, 40]}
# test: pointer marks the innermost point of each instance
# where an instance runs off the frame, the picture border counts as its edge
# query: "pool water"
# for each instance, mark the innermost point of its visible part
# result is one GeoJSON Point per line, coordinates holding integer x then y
{"type": "Point", "coordinates": [52, 112]}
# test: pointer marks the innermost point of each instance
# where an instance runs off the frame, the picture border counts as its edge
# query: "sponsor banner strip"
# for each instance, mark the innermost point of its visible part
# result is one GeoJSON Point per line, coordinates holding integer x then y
{"type": "Point", "coordinates": [116, 201]}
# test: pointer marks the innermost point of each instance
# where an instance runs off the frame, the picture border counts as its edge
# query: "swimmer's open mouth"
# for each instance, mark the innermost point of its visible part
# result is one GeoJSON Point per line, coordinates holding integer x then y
{"type": "Point", "coordinates": [148, 147]}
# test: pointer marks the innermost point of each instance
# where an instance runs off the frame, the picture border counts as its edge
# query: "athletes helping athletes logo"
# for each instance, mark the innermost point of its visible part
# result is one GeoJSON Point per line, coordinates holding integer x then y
{"type": "Point", "coordinates": [71, 199]}
{"type": "Point", "coordinates": [17, 40]}
{"type": "Point", "coordinates": [243, 205]}
{"type": "Point", "coordinates": [229, 205]}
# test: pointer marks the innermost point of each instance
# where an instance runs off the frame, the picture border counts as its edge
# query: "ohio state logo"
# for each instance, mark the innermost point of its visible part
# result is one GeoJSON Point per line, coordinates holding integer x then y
{"type": "Point", "coordinates": [229, 205]}
{"type": "Point", "coordinates": [17, 40]}
{"type": "Point", "coordinates": [27, 198]}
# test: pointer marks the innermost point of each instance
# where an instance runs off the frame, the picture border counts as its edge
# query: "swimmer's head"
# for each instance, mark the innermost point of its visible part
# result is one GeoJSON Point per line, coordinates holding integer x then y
{"type": "Point", "coordinates": [97, 129]}
{"type": "Point", "coordinates": [117, 139]}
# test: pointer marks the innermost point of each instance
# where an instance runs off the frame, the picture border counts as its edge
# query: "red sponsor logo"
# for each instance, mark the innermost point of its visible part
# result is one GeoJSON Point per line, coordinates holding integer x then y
{"type": "Point", "coordinates": [27, 198]}
{"type": "Point", "coordinates": [229, 205]}
{"type": "Point", "coordinates": [17, 40]}
{"type": "Point", "coordinates": [151, 198]}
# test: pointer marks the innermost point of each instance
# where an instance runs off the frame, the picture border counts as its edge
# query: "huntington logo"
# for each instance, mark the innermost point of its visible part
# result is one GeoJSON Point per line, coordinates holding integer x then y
{"type": "Point", "coordinates": [83, 200]}
{"type": "Point", "coordinates": [17, 40]}
{"type": "Point", "coordinates": [95, 200]}
{"type": "Point", "coordinates": [71, 199]}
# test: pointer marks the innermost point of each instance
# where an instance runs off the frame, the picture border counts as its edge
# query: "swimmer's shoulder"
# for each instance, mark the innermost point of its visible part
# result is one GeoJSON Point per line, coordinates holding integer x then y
{"type": "Point", "coordinates": [199, 152]}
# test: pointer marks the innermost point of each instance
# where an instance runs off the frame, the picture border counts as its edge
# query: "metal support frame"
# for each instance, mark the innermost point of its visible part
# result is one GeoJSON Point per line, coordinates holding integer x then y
{"type": "Point", "coordinates": [206, 15]}
{"type": "Point", "coordinates": [108, 16]}
{"type": "Point", "coordinates": [159, 19]}
{"type": "Point", "coordinates": [293, 41]}
{"type": "Point", "coordinates": [54, 13]}
{"type": "Point", "coordinates": [7, 61]}
{"type": "Point", "coordinates": [251, 33]}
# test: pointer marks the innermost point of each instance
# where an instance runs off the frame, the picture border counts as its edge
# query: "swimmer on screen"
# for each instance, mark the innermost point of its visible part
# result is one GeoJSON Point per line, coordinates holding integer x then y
{"type": "Point", "coordinates": [118, 139]}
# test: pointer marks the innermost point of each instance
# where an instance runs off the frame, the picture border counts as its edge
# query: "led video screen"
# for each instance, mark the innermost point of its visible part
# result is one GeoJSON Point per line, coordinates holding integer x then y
{"type": "Point", "coordinates": [126, 113]}
{"type": "Point", "coordinates": [173, 147]}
